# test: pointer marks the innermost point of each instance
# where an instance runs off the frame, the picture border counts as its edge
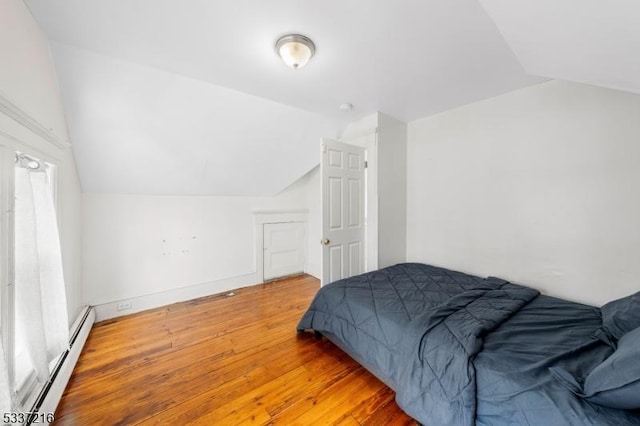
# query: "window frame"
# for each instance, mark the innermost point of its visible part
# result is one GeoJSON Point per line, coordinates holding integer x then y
{"type": "Point", "coordinates": [7, 264]}
{"type": "Point", "coordinates": [25, 393]}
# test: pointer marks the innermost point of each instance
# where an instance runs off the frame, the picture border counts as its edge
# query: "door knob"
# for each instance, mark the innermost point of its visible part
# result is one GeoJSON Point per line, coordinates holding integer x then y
{"type": "Point", "coordinates": [325, 242]}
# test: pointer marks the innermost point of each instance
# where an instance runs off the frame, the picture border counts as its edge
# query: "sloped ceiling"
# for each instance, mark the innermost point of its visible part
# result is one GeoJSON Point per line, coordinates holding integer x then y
{"type": "Point", "coordinates": [141, 130]}
{"type": "Point", "coordinates": [588, 41]}
{"type": "Point", "coordinates": [188, 96]}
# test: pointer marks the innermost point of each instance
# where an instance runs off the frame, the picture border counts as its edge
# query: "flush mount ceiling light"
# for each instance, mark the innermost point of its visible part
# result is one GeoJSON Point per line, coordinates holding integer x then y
{"type": "Point", "coordinates": [295, 50]}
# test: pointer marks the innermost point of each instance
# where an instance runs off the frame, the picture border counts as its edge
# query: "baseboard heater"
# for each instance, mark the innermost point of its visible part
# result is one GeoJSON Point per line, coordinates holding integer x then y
{"type": "Point", "coordinates": [50, 395]}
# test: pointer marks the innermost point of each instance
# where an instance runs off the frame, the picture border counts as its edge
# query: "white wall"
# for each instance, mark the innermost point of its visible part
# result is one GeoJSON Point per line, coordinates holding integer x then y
{"type": "Point", "coordinates": [137, 245]}
{"type": "Point", "coordinates": [28, 81]}
{"type": "Point", "coordinates": [27, 74]}
{"type": "Point", "coordinates": [385, 141]}
{"type": "Point", "coordinates": [392, 191]}
{"type": "Point", "coordinates": [70, 227]}
{"type": "Point", "coordinates": [538, 186]}
{"type": "Point", "coordinates": [314, 224]}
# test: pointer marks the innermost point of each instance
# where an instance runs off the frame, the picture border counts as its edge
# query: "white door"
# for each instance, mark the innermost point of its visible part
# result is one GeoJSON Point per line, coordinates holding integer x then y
{"type": "Point", "coordinates": [342, 170]}
{"type": "Point", "coordinates": [283, 249]}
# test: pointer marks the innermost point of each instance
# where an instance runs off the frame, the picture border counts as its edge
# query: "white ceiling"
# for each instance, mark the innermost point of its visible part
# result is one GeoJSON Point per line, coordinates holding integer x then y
{"type": "Point", "coordinates": [140, 130]}
{"type": "Point", "coordinates": [165, 86]}
{"type": "Point", "coordinates": [588, 41]}
{"type": "Point", "coordinates": [406, 58]}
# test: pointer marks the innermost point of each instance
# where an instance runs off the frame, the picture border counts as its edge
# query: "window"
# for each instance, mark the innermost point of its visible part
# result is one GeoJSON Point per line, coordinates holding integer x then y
{"type": "Point", "coordinates": [33, 309]}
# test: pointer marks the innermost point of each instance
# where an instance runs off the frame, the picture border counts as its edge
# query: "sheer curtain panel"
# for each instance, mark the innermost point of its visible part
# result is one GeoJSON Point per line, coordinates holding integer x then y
{"type": "Point", "coordinates": [41, 322]}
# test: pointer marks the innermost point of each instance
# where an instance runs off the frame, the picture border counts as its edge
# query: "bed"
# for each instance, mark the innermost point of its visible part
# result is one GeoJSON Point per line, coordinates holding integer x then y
{"type": "Point", "coordinates": [464, 350]}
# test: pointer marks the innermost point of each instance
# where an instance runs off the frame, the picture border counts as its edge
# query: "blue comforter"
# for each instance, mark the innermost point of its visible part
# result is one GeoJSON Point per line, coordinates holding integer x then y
{"type": "Point", "coordinates": [514, 384]}
{"type": "Point", "coordinates": [437, 373]}
{"type": "Point", "coordinates": [462, 350]}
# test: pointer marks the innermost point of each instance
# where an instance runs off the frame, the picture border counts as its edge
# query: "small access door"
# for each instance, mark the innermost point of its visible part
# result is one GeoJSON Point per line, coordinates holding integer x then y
{"type": "Point", "coordinates": [283, 249]}
{"type": "Point", "coordinates": [342, 170]}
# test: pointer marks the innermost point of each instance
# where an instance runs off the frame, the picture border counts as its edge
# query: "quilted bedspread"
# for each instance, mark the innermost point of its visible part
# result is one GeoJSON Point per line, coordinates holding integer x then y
{"type": "Point", "coordinates": [437, 373]}
{"type": "Point", "coordinates": [417, 327]}
{"type": "Point", "coordinates": [462, 350]}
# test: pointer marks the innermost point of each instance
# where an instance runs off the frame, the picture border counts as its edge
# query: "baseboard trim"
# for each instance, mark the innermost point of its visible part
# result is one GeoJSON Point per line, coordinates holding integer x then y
{"type": "Point", "coordinates": [313, 269]}
{"type": "Point", "coordinates": [142, 303]}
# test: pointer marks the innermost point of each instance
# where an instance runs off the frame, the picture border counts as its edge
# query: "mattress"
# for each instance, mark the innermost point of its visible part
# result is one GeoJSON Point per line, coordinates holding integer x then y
{"type": "Point", "coordinates": [461, 349]}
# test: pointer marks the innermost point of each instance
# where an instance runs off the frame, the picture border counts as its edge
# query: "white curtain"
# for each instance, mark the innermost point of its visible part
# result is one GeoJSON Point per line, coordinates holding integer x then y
{"type": "Point", "coordinates": [40, 300]}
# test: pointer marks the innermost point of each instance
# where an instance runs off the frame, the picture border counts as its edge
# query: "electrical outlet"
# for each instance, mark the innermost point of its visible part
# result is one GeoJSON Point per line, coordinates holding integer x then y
{"type": "Point", "coordinates": [123, 306]}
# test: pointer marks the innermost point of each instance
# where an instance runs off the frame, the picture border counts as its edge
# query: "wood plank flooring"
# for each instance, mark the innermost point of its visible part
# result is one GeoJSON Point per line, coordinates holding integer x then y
{"type": "Point", "coordinates": [224, 361]}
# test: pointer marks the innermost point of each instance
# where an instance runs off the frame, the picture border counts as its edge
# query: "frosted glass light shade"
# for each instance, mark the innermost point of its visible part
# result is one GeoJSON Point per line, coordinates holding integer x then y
{"type": "Point", "coordinates": [295, 50]}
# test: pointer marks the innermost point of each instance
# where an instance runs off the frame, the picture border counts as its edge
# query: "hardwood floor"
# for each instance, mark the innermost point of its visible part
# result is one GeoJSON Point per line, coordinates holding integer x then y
{"type": "Point", "coordinates": [223, 360]}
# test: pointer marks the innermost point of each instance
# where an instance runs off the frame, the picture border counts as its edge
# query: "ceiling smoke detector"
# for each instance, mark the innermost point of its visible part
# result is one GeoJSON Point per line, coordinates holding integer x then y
{"type": "Point", "coordinates": [346, 107]}
{"type": "Point", "coordinates": [295, 50]}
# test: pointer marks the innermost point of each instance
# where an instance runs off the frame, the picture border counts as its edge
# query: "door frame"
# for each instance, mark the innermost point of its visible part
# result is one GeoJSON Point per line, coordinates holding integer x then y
{"type": "Point", "coordinates": [369, 141]}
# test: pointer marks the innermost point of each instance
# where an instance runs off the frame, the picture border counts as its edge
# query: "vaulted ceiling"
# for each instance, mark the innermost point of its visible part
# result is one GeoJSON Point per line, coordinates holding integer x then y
{"type": "Point", "coordinates": [138, 129]}
{"type": "Point", "coordinates": [587, 41]}
{"type": "Point", "coordinates": [189, 97]}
